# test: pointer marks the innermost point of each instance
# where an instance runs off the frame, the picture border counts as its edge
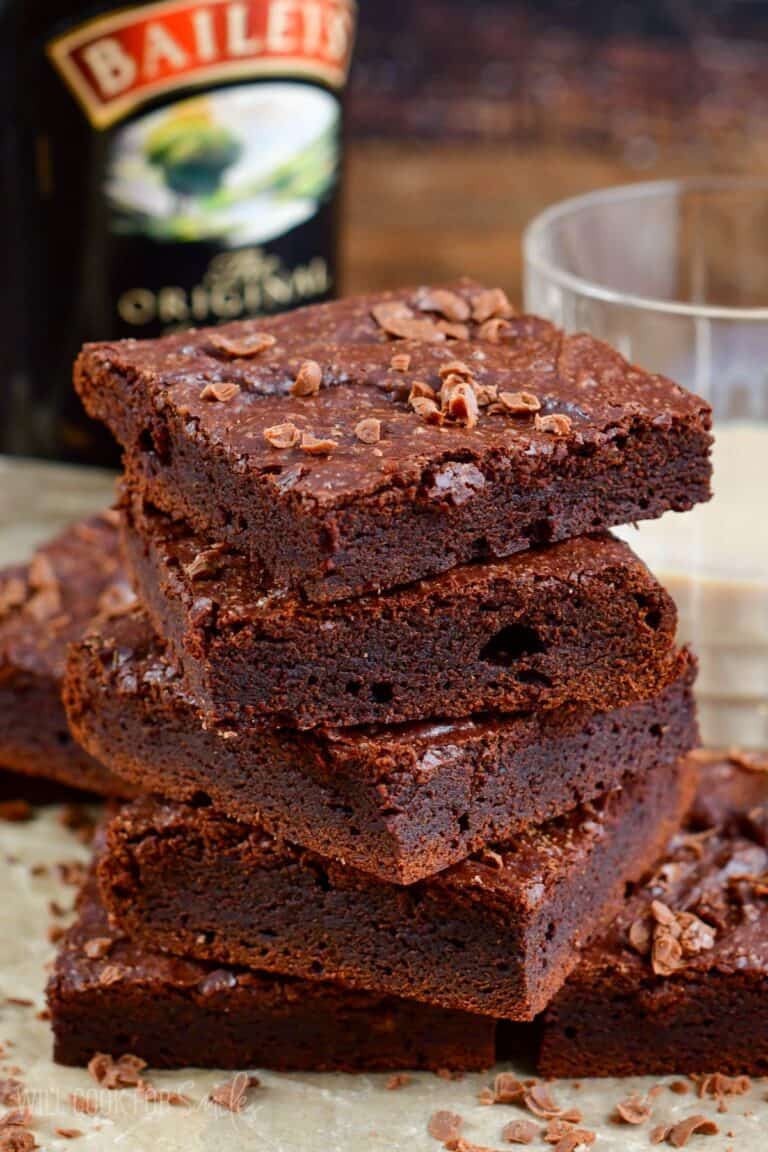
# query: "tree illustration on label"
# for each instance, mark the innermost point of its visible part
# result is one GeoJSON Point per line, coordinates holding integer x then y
{"type": "Point", "coordinates": [193, 152]}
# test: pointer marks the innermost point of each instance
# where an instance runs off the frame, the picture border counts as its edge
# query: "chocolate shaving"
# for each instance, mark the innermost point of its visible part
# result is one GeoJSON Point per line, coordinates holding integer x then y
{"type": "Point", "coordinates": [556, 424]}
{"type": "Point", "coordinates": [461, 403]}
{"type": "Point", "coordinates": [368, 431]}
{"type": "Point", "coordinates": [519, 1132]}
{"type": "Point", "coordinates": [69, 1133]}
{"type": "Point", "coordinates": [14, 1139]}
{"type": "Point", "coordinates": [397, 320]}
{"type": "Point", "coordinates": [493, 330]}
{"type": "Point", "coordinates": [507, 1089]}
{"type": "Point", "coordinates": [446, 303]}
{"type": "Point", "coordinates": [519, 403]}
{"type": "Point", "coordinates": [282, 435]}
{"type": "Point", "coordinates": [308, 379]}
{"type": "Point", "coordinates": [317, 447]}
{"type": "Point", "coordinates": [634, 1110]}
{"type": "Point", "coordinates": [679, 1134]}
{"type": "Point", "coordinates": [453, 331]}
{"type": "Point", "coordinates": [243, 347]}
{"type": "Point", "coordinates": [427, 409]}
{"type": "Point", "coordinates": [112, 1074]}
{"type": "Point", "coordinates": [420, 390]}
{"type": "Point", "coordinates": [445, 1126]}
{"type": "Point", "coordinates": [221, 392]}
{"type": "Point", "coordinates": [538, 1099]}
{"type": "Point", "coordinates": [232, 1095]}
{"type": "Point", "coordinates": [566, 1137]}
{"type": "Point", "coordinates": [492, 303]}
{"type": "Point", "coordinates": [400, 362]}
{"type": "Point", "coordinates": [17, 1118]}
{"type": "Point", "coordinates": [718, 1086]}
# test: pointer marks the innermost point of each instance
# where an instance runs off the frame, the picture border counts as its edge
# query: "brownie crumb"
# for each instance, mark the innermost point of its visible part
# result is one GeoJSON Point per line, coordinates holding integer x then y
{"type": "Point", "coordinates": [233, 1094]}
{"type": "Point", "coordinates": [222, 391]}
{"type": "Point", "coordinates": [445, 1126]}
{"type": "Point", "coordinates": [125, 1072]}
{"type": "Point", "coordinates": [519, 1132]}
{"type": "Point", "coordinates": [282, 435]}
{"type": "Point", "coordinates": [679, 1087]}
{"type": "Point", "coordinates": [243, 347]}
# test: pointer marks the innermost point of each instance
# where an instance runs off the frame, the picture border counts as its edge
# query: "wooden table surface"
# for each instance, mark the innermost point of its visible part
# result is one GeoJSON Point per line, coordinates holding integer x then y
{"type": "Point", "coordinates": [421, 211]}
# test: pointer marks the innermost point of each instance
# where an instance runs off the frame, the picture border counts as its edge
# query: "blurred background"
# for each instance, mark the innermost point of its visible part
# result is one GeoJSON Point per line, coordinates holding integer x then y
{"type": "Point", "coordinates": [466, 118]}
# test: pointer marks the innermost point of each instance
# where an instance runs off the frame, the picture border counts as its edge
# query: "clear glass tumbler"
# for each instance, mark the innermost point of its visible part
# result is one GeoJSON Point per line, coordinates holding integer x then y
{"type": "Point", "coordinates": [675, 275]}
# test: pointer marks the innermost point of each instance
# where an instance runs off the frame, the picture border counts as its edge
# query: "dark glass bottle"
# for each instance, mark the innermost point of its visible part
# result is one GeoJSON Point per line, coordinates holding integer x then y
{"type": "Point", "coordinates": [164, 164]}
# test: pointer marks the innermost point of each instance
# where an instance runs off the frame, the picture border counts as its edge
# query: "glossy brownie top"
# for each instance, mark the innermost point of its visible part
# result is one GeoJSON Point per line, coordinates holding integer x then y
{"type": "Point", "coordinates": [47, 604]}
{"type": "Point", "coordinates": [409, 388]}
{"type": "Point", "coordinates": [706, 906]}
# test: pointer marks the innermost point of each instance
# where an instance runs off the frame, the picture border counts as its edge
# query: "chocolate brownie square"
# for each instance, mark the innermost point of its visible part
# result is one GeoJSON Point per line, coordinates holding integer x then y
{"type": "Point", "coordinates": [108, 994]}
{"type": "Point", "coordinates": [582, 622]}
{"type": "Point", "coordinates": [398, 802]}
{"type": "Point", "coordinates": [368, 443]}
{"type": "Point", "coordinates": [679, 982]}
{"type": "Point", "coordinates": [495, 935]}
{"type": "Point", "coordinates": [44, 606]}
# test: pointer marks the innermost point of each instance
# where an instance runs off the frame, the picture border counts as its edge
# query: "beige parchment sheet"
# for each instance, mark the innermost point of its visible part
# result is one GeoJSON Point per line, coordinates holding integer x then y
{"type": "Point", "coordinates": [287, 1113]}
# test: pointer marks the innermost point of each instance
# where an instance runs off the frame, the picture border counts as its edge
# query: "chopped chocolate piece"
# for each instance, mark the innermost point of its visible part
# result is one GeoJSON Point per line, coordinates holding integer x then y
{"type": "Point", "coordinates": [620, 1015]}
{"type": "Point", "coordinates": [178, 1013]}
{"type": "Point", "coordinates": [580, 622]}
{"type": "Point", "coordinates": [368, 431]}
{"type": "Point", "coordinates": [46, 606]}
{"type": "Point", "coordinates": [245, 345]}
{"type": "Point", "coordinates": [282, 435]}
{"type": "Point", "coordinates": [497, 941]}
{"type": "Point", "coordinates": [314, 523]}
{"type": "Point", "coordinates": [634, 1110]}
{"type": "Point", "coordinates": [401, 803]}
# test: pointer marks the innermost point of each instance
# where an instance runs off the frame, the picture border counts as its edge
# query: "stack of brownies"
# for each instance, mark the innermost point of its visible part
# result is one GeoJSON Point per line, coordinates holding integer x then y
{"type": "Point", "coordinates": [406, 717]}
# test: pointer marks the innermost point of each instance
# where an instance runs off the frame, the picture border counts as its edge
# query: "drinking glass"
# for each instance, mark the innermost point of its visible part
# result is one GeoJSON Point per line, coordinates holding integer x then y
{"type": "Point", "coordinates": [675, 275]}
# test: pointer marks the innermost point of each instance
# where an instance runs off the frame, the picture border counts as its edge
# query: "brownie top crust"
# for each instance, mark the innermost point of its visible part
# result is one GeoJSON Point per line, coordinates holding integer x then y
{"type": "Point", "coordinates": [47, 604]}
{"type": "Point", "coordinates": [349, 400]}
{"type": "Point", "coordinates": [704, 909]}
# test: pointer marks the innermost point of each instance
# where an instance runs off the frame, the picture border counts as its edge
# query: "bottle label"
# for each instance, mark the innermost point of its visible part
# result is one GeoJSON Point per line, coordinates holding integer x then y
{"type": "Point", "coordinates": [115, 63]}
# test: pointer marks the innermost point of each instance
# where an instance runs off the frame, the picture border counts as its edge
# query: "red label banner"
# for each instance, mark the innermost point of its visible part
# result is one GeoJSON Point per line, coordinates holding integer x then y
{"type": "Point", "coordinates": [115, 63]}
